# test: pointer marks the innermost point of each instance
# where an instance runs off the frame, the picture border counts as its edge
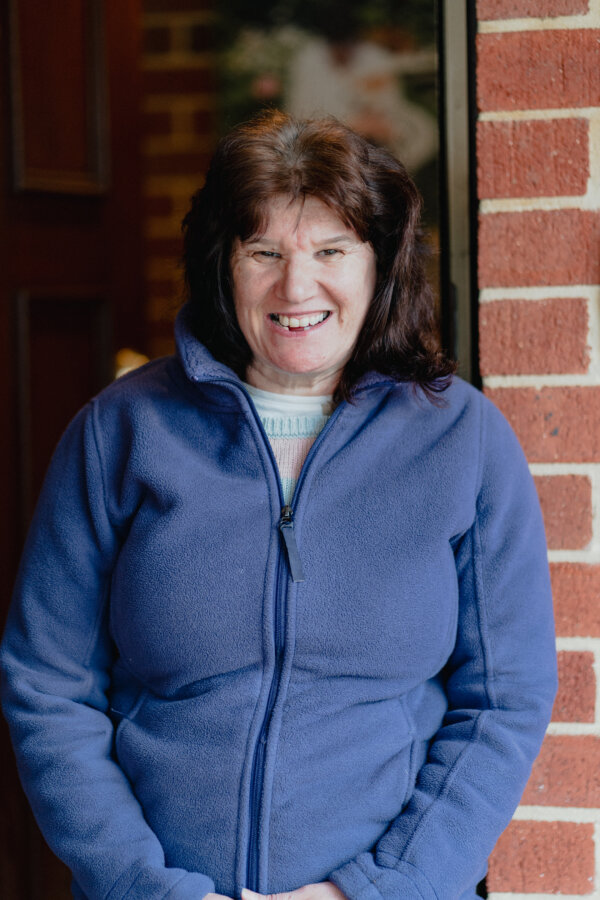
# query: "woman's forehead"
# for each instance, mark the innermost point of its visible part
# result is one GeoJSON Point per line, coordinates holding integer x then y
{"type": "Point", "coordinates": [286, 215]}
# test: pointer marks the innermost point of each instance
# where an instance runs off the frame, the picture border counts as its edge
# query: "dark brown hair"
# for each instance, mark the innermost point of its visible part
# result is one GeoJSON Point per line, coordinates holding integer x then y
{"type": "Point", "coordinates": [367, 188]}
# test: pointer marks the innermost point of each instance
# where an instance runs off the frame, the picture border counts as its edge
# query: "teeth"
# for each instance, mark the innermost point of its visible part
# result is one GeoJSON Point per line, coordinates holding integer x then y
{"type": "Point", "coordinates": [300, 321]}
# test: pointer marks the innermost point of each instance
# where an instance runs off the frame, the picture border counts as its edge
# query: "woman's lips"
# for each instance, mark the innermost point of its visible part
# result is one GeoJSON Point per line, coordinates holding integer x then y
{"type": "Point", "coordinates": [298, 324]}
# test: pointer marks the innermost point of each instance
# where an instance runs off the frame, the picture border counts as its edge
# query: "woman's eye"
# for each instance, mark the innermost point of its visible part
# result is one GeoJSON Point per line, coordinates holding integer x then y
{"type": "Point", "coordinates": [267, 254]}
{"type": "Point", "coordinates": [329, 252]}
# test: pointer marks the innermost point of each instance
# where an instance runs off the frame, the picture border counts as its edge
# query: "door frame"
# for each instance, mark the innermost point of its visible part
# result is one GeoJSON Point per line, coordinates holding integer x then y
{"type": "Point", "coordinates": [457, 26]}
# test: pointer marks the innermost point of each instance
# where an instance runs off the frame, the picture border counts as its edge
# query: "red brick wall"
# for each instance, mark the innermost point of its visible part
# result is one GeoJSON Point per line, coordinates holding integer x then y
{"type": "Point", "coordinates": [179, 105]}
{"type": "Point", "coordinates": [538, 156]}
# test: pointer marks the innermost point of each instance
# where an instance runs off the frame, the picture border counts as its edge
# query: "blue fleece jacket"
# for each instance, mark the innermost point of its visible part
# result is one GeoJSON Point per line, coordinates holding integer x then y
{"type": "Point", "coordinates": [187, 717]}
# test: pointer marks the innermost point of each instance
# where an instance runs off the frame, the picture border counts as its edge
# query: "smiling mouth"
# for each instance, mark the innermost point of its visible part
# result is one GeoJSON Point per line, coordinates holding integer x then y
{"type": "Point", "coordinates": [299, 323]}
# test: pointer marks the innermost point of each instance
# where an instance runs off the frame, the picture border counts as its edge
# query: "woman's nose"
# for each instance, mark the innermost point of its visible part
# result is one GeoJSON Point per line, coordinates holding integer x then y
{"type": "Point", "coordinates": [297, 282]}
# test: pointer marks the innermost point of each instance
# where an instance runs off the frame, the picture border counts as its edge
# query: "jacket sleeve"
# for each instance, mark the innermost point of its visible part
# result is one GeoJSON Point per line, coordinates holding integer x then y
{"type": "Point", "coordinates": [56, 658]}
{"type": "Point", "coordinates": [500, 686]}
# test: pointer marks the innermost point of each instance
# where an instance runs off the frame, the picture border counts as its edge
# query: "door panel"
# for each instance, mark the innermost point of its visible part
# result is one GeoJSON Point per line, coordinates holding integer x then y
{"type": "Point", "coordinates": [70, 282]}
{"type": "Point", "coordinates": [66, 333]}
{"type": "Point", "coordinates": [59, 122]}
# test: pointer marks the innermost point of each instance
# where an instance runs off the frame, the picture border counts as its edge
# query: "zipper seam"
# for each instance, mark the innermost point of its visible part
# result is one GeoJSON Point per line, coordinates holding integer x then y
{"type": "Point", "coordinates": [280, 606]}
{"type": "Point", "coordinates": [257, 774]}
{"type": "Point", "coordinates": [259, 753]}
{"type": "Point", "coordinates": [259, 750]}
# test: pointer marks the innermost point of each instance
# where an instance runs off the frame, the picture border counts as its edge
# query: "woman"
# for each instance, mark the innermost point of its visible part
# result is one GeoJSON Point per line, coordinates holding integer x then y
{"type": "Point", "coordinates": [236, 662]}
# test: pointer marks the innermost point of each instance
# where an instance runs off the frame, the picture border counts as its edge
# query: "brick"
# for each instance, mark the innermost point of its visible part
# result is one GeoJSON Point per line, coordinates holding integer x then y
{"type": "Point", "coordinates": [158, 206]}
{"type": "Point", "coordinates": [559, 247]}
{"type": "Point", "coordinates": [538, 69]}
{"type": "Point", "coordinates": [576, 591]}
{"type": "Point", "coordinates": [163, 289]}
{"type": "Point", "coordinates": [543, 857]}
{"type": "Point", "coordinates": [164, 248]}
{"type": "Point", "coordinates": [576, 698]}
{"type": "Point", "coordinates": [554, 424]}
{"type": "Point", "coordinates": [204, 122]}
{"type": "Point", "coordinates": [566, 502]}
{"type": "Point", "coordinates": [566, 773]}
{"type": "Point", "coordinates": [197, 79]}
{"type": "Point", "coordinates": [194, 164]}
{"type": "Point", "coordinates": [156, 40]}
{"type": "Point", "coordinates": [517, 9]}
{"type": "Point", "coordinates": [160, 344]}
{"type": "Point", "coordinates": [162, 316]}
{"type": "Point", "coordinates": [532, 158]}
{"type": "Point", "coordinates": [202, 38]}
{"type": "Point", "coordinates": [157, 123]}
{"type": "Point", "coordinates": [518, 337]}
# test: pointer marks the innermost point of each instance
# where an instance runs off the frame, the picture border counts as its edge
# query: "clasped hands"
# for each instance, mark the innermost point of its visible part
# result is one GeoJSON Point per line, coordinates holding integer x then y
{"type": "Point", "coordinates": [323, 890]}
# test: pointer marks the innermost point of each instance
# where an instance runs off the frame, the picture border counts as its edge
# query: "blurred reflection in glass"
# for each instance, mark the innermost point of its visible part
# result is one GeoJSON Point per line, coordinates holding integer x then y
{"type": "Point", "coordinates": [371, 64]}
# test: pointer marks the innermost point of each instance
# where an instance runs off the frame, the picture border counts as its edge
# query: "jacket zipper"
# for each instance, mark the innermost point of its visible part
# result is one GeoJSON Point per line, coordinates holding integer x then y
{"type": "Point", "coordinates": [286, 530]}
{"type": "Point", "coordinates": [257, 774]}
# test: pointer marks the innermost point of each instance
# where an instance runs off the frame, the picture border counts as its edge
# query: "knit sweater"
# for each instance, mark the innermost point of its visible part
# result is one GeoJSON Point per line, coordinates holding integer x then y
{"type": "Point", "coordinates": [291, 423]}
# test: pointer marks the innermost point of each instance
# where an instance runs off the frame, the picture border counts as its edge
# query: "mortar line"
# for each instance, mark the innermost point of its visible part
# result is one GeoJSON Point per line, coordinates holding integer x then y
{"type": "Point", "coordinates": [578, 644]}
{"type": "Point", "coordinates": [182, 142]}
{"type": "Point", "coordinates": [177, 60]}
{"type": "Point", "coordinates": [165, 102]}
{"type": "Point", "coordinates": [589, 557]}
{"type": "Point", "coordinates": [538, 382]}
{"type": "Point", "coordinates": [596, 858]}
{"type": "Point", "coordinates": [593, 337]}
{"type": "Point", "coordinates": [596, 668]}
{"type": "Point", "coordinates": [564, 468]}
{"type": "Point", "coordinates": [495, 895]}
{"type": "Point", "coordinates": [538, 813]}
{"type": "Point", "coordinates": [594, 545]}
{"type": "Point", "coordinates": [587, 20]}
{"type": "Point", "coordinates": [551, 292]}
{"type": "Point", "coordinates": [594, 157]}
{"type": "Point", "coordinates": [177, 19]}
{"type": "Point", "coordinates": [587, 202]}
{"type": "Point", "coordinates": [546, 113]}
{"type": "Point", "coordinates": [574, 729]}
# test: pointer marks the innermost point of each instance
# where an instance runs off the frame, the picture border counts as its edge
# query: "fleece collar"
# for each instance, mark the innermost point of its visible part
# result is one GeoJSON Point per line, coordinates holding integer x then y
{"type": "Point", "coordinates": [198, 363]}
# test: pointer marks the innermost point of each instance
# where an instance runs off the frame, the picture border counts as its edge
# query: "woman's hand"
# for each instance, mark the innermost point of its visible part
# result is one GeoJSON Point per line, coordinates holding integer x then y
{"type": "Point", "coordinates": [324, 890]}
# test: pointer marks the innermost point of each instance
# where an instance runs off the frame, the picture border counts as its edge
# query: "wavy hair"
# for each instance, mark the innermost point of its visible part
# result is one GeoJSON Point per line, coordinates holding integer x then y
{"type": "Point", "coordinates": [367, 188]}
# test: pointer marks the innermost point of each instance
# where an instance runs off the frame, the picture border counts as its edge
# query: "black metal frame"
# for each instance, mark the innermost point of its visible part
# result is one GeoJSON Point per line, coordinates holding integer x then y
{"type": "Point", "coordinates": [459, 307]}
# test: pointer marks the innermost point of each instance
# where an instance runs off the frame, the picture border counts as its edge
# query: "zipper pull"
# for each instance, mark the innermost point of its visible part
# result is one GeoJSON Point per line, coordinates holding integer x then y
{"type": "Point", "coordinates": [286, 527]}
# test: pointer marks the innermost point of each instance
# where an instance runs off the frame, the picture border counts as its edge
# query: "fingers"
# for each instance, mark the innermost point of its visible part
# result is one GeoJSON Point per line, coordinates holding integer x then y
{"type": "Point", "coordinates": [324, 890]}
{"type": "Point", "coordinates": [287, 895]}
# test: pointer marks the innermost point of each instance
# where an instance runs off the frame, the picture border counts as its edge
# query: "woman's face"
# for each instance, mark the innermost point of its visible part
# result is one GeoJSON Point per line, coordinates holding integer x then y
{"type": "Point", "coordinates": [301, 293]}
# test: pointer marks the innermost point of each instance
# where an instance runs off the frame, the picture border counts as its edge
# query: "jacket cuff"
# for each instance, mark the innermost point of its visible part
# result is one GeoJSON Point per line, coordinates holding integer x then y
{"type": "Point", "coordinates": [363, 879]}
{"type": "Point", "coordinates": [150, 883]}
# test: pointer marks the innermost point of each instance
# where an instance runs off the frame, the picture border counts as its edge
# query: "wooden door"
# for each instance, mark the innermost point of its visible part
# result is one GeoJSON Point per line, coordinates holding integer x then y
{"type": "Point", "coordinates": [70, 282]}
